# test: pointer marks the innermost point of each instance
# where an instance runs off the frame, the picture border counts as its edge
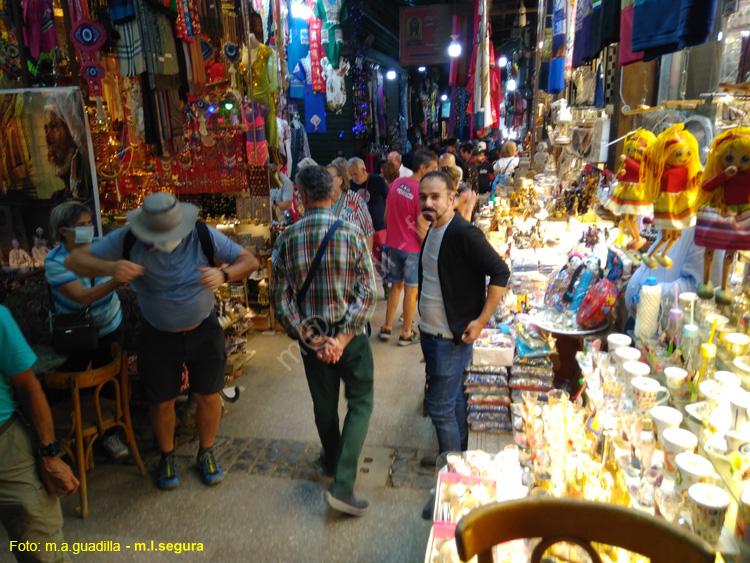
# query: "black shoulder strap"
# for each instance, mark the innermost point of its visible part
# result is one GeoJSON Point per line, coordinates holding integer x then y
{"type": "Point", "coordinates": [302, 293]}
{"type": "Point", "coordinates": [127, 244]}
{"type": "Point", "coordinates": [207, 242]}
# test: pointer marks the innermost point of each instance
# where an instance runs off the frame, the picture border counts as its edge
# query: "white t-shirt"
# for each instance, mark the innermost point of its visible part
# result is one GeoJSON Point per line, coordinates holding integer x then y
{"type": "Point", "coordinates": [405, 172]}
{"type": "Point", "coordinates": [434, 319]}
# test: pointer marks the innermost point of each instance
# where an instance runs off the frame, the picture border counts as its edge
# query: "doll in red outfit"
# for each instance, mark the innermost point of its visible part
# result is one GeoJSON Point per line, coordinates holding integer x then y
{"type": "Point", "coordinates": [671, 173]}
{"type": "Point", "coordinates": [628, 199]}
{"type": "Point", "coordinates": [724, 214]}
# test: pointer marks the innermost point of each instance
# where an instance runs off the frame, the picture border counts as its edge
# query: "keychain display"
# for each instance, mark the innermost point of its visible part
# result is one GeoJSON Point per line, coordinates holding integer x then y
{"type": "Point", "coordinates": [724, 216]}
{"type": "Point", "coordinates": [670, 173]}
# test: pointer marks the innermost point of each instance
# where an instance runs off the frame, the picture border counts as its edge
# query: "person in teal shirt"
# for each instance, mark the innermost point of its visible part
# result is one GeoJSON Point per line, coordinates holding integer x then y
{"type": "Point", "coordinates": [27, 510]}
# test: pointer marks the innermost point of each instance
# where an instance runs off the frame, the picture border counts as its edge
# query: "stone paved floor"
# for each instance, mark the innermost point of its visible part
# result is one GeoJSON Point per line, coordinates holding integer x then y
{"type": "Point", "coordinates": [270, 507]}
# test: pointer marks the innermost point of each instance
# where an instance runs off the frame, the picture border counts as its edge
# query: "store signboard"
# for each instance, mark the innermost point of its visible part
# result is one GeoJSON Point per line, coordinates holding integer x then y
{"type": "Point", "coordinates": [425, 32]}
{"type": "Point", "coordinates": [46, 158]}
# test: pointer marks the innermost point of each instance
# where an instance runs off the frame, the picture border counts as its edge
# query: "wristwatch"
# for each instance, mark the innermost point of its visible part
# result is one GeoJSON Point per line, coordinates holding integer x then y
{"type": "Point", "coordinates": [226, 276]}
{"type": "Point", "coordinates": [50, 450]}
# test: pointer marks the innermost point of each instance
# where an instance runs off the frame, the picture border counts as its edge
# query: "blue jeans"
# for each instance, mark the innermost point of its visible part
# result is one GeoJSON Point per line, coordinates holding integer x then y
{"type": "Point", "coordinates": [446, 403]}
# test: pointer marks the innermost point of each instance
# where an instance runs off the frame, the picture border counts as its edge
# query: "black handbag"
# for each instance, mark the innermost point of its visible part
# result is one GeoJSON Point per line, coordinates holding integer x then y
{"type": "Point", "coordinates": [73, 332]}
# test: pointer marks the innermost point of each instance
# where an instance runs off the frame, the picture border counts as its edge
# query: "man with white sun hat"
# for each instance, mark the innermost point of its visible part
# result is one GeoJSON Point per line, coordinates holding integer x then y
{"type": "Point", "coordinates": [173, 262]}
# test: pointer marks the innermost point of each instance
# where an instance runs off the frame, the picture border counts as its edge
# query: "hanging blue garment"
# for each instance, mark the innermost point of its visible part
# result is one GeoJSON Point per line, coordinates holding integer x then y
{"type": "Point", "coordinates": [666, 27]}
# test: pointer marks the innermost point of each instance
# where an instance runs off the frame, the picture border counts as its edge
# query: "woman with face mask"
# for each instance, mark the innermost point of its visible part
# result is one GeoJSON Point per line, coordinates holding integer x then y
{"type": "Point", "coordinates": [71, 225]}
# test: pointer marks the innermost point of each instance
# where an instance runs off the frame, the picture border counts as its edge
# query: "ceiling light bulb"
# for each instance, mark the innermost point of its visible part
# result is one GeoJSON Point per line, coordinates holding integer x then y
{"type": "Point", "coordinates": [422, 69]}
{"type": "Point", "coordinates": [502, 61]}
{"type": "Point", "coordinates": [391, 75]}
{"type": "Point", "coordinates": [454, 49]}
{"type": "Point", "coordinates": [444, 98]}
{"type": "Point", "coordinates": [511, 85]}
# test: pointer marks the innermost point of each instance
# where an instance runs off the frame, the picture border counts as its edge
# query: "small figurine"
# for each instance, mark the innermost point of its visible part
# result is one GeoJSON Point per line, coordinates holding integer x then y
{"type": "Point", "coordinates": [628, 198]}
{"type": "Point", "coordinates": [40, 249]}
{"type": "Point", "coordinates": [670, 173]}
{"type": "Point", "coordinates": [18, 257]}
{"type": "Point", "coordinates": [724, 201]}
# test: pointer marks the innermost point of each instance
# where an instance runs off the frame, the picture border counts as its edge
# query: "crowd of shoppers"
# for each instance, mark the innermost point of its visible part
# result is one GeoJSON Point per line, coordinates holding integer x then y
{"type": "Point", "coordinates": [410, 226]}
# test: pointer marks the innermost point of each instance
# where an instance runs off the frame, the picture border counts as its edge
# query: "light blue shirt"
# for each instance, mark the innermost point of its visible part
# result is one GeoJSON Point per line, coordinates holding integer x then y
{"type": "Point", "coordinates": [169, 293]}
{"type": "Point", "coordinates": [15, 358]}
{"type": "Point", "coordinates": [686, 270]}
{"type": "Point", "coordinates": [106, 312]}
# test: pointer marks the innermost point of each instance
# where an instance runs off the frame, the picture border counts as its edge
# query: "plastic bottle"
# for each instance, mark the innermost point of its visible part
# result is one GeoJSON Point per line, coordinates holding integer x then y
{"type": "Point", "coordinates": [674, 329]}
{"type": "Point", "coordinates": [690, 346]}
{"type": "Point", "coordinates": [647, 313]}
{"type": "Point", "coordinates": [708, 364]}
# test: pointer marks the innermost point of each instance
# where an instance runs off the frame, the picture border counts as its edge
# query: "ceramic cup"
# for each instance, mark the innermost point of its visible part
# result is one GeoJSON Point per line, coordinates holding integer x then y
{"type": "Point", "coordinates": [737, 343]}
{"type": "Point", "coordinates": [677, 382]}
{"type": "Point", "coordinates": [739, 406]}
{"type": "Point", "coordinates": [648, 392]}
{"type": "Point", "coordinates": [626, 354]}
{"type": "Point", "coordinates": [708, 509]}
{"type": "Point", "coordinates": [617, 340]}
{"type": "Point", "coordinates": [691, 469]}
{"type": "Point", "coordinates": [728, 380]}
{"type": "Point", "coordinates": [676, 441]}
{"type": "Point", "coordinates": [665, 417]}
{"type": "Point", "coordinates": [736, 439]}
{"type": "Point", "coordinates": [743, 515]}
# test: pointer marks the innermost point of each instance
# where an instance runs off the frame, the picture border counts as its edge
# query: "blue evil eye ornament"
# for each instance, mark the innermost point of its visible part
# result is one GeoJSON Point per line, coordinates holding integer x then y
{"type": "Point", "coordinates": [231, 52]}
{"type": "Point", "coordinates": [88, 35]}
{"type": "Point", "coordinates": [93, 72]}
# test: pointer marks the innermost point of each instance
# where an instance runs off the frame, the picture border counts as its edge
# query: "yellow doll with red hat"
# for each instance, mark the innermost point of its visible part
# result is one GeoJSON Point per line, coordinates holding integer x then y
{"type": "Point", "coordinates": [629, 199]}
{"type": "Point", "coordinates": [724, 216]}
{"type": "Point", "coordinates": [671, 173]}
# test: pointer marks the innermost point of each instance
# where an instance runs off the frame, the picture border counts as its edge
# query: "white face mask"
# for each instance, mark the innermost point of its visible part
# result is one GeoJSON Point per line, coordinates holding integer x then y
{"type": "Point", "coordinates": [167, 246]}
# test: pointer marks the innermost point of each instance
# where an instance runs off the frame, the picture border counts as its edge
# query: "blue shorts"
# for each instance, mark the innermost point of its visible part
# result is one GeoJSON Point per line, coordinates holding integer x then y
{"type": "Point", "coordinates": [403, 267]}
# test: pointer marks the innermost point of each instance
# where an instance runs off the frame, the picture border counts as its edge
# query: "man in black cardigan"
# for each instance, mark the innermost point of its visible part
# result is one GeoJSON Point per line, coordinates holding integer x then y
{"type": "Point", "coordinates": [455, 304]}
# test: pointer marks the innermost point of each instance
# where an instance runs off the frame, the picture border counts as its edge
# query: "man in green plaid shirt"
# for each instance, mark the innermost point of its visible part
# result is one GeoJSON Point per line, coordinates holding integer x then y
{"type": "Point", "coordinates": [331, 327]}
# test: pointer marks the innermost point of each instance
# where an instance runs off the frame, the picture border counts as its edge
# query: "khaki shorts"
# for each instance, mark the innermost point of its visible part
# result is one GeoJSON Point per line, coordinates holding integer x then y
{"type": "Point", "coordinates": [27, 511]}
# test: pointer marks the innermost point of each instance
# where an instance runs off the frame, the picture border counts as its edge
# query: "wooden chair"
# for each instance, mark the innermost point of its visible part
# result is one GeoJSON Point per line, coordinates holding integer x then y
{"type": "Point", "coordinates": [579, 522]}
{"type": "Point", "coordinates": [83, 434]}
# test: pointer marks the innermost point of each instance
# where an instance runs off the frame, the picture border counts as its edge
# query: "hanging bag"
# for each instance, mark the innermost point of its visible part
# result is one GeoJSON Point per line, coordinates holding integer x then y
{"type": "Point", "coordinates": [73, 332]}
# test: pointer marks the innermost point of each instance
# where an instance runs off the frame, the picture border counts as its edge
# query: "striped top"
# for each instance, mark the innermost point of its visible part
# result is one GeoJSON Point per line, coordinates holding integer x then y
{"type": "Point", "coordinates": [344, 289]}
{"type": "Point", "coordinates": [106, 312]}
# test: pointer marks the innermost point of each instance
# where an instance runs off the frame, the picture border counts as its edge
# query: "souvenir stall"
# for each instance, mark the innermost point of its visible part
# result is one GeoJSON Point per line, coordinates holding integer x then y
{"type": "Point", "coordinates": [620, 360]}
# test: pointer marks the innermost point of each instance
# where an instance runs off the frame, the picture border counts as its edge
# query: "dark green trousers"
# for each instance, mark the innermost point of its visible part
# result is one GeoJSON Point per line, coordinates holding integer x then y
{"type": "Point", "coordinates": [342, 447]}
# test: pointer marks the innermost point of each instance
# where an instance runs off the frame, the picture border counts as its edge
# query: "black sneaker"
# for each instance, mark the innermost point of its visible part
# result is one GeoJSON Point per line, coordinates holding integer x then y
{"type": "Point", "coordinates": [351, 505]}
{"type": "Point", "coordinates": [168, 478]}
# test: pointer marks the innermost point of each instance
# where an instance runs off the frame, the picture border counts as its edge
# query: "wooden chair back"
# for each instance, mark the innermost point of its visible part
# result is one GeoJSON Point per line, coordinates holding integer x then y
{"type": "Point", "coordinates": [580, 522]}
{"type": "Point", "coordinates": [87, 378]}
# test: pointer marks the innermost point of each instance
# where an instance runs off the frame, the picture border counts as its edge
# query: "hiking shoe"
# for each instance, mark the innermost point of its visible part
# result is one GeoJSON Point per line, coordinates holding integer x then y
{"type": "Point", "coordinates": [115, 447]}
{"type": "Point", "coordinates": [408, 340]}
{"type": "Point", "coordinates": [384, 334]}
{"type": "Point", "coordinates": [350, 505]}
{"type": "Point", "coordinates": [168, 478]}
{"type": "Point", "coordinates": [211, 472]}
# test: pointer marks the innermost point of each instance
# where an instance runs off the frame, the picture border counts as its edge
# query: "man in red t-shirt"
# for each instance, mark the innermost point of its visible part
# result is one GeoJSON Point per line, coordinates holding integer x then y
{"type": "Point", "coordinates": [405, 230]}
